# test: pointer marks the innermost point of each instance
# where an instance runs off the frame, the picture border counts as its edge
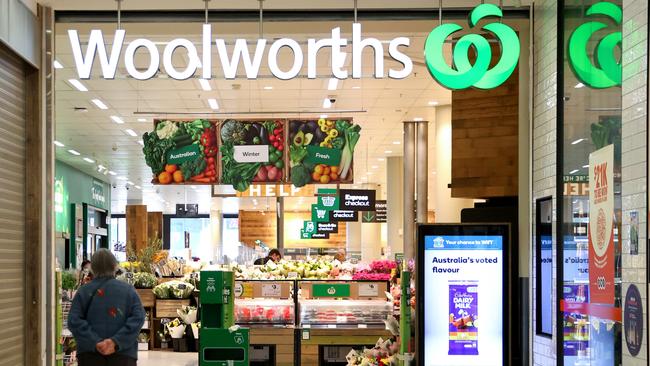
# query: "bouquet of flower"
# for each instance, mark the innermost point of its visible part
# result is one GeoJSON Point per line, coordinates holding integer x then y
{"type": "Point", "coordinates": [176, 328]}
{"type": "Point", "coordinates": [173, 290]}
{"type": "Point", "coordinates": [144, 280]}
{"type": "Point", "coordinates": [187, 314]}
{"type": "Point", "coordinates": [383, 354]}
{"type": "Point", "coordinates": [376, 271]}
{"type": "Point", "coordinates": [195, 329]}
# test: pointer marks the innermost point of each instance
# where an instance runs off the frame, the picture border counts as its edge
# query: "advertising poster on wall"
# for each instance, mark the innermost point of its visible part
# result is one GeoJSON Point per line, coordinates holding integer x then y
{"type": "Point", "coordinates": [464, 327]}
{"type": "Point", "coordinates": [601, 226]}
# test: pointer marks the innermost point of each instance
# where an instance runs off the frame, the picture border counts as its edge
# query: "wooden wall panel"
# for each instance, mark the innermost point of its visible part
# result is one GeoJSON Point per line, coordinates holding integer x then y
{"type": "Point", "coordinates": [484, 130]}
{"type": "Point", "coordinates": [154, 225]}
{"type": "Point", "coordinates": [136, 227]}
{"type": "Point", "coordinates": [255, 226]}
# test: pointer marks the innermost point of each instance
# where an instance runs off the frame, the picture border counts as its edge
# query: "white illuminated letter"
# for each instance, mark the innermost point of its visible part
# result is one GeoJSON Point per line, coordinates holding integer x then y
{"type": "Point", "coordinates": [395, 53]}
{"type": "Point", "coordinates": [357, 52]}
{"type": "Point", "coordinates": [207, 51]}
{"type": "Point", "coordinates": [129, 54]}
{"type": "Point", "coordinates": [312, 52]}
{"type": "Point", "coordinates": [192, 55]}
{"type": "Point", "coordinates": [240, 51]}
{"type": "Point", "coordinates": [338, 57]}
{"type": "Point", "coordinates": [96, 44]}
{"type": "Point", "coordinates": [297, 58]}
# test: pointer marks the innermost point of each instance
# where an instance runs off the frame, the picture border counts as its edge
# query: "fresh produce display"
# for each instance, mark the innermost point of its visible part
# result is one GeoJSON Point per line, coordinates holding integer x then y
{"type": "Point", "coordinates": [251, 311]}
{"type": "Point", "coordinates": [192, 146]}
{"type": "Point", "coordinates": [173, 290]}
{"type": "Point", "coordinates": [144, 280]}
{"type": "Point", "coordinates": [251, 134]}
{"type": "Point", "coordinates": [337, 138]}
{"type": "Point", "coordinates": [323, 312]}
{"type": "Point", "coordinates": [168, 268]}
{"type": "Point", "coordinates": [315, 269]}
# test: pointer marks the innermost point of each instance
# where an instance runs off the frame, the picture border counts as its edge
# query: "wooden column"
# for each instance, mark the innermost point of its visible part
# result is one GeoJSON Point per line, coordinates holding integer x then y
{"type": "Point", "coordinates": [136, 227]}
{"type": "Point", "coordinates": [155, 225]}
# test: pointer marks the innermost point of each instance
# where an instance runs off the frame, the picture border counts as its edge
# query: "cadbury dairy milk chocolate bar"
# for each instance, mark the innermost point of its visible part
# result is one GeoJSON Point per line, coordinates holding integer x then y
{"type": "Point", "coordinates": [463, 318]}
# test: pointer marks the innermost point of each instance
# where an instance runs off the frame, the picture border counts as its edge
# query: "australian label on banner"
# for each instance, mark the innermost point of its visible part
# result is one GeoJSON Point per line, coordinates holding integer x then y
{"type": "Point", "coordinates": [601, 226]}
{"type": "Point", "coordinates": [251, 153]}
{"type": "Point", "coordinates": [183, 154]}
{"type": "Point", "coordinates": [463, 316]}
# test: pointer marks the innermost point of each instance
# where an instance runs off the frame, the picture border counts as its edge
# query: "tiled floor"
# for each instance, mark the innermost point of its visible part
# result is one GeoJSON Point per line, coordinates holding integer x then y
{"type": "Point", "coordinates": [156, 358]}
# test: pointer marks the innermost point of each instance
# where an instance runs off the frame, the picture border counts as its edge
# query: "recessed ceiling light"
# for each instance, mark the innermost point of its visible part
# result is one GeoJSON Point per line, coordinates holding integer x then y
{"type": "Point", "coordinates": [57, 64]}
{"type": "Point", "coordinates": [99, 104]}
{"type": "Point", "coordinates": [101, 167]}
{"type": "Point", "coordinates": [74, 152]}
{"type": "Point", "coordinates": [117, 120]}
{"type": "Point", "coordinates": [131, 132]}
{"type": "Point", "coordinates": [332, 84]}
{"type": "Point", "coordinates": [323, 116]}
{"type": "Point", "coordinates": [574, 171]}
{"type": "Point", "coordinates": [112, 173]}
{"type": "Point", "coordinates": [432, 102]}
{"type": "Point", "coordinates": [356, 87]}
{"type": "Point", "coordinates": [388, 152]}
{"type": "Point", "coordinates": [375, 167]}
{"type": "Point", "coordinates": [213, 103]}
{"type": "Point", "coordinates": [205, 84]}
{"type": "Point", "coordinates": [59, 144]}
{"type": "Point", "coordinates": [585, 166]}
{"type": "Point", "coordinates": [268, 88]}
{"type": "Point", "coordinates": [130, 183]}
{"type": "Point", "coordinates": [327, 103]}
{"type": "Point", "coordinates": [142, 120]}
{"type": "Point", "coordinates": [89, 160]}
{"type": "Point", "coordinates": [138, 187]}
{"type": "Point", "coordinates": [380, 159]}
{"type": "Point", "coordinates": [141, 142]}
{"type": "Point", "coordinates": [579, 85]}
{"type": "Point", "coordinates": [577, 141]}
{"type": "Point", "coordinates": [122, 178]}
{"type": "Point", "coordinates": [418, 119]}
{"type": "Point", "coordinates": [369, 173]}
{"type": "Point", "coordinates": [396, 142]}
{"type": "Point", "coordinates": [77, 84]}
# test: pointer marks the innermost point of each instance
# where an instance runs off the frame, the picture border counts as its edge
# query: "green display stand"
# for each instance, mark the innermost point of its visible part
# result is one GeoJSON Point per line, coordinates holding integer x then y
{"type": "Point", "coordinates": [218, 345]}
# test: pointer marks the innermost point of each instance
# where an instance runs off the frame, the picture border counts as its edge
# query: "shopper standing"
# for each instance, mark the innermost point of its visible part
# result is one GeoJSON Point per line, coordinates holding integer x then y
{"type": "Point", "coordinates": [106, 317]}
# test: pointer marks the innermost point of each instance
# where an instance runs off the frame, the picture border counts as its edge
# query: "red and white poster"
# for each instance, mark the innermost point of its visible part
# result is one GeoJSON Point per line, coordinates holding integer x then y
{"type": "Point", "coordinates": [601, 226]}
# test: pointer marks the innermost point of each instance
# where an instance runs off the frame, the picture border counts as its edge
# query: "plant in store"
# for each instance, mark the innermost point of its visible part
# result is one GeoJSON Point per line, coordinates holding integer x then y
{"type": "Point", "coordinates": [68, 280]}
{"type": "Point", "coordinates": [145, 255]}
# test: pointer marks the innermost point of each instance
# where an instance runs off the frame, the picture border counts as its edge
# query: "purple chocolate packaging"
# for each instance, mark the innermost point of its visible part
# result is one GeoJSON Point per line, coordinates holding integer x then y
{"type": "Point", "coordinates": [463, 316]}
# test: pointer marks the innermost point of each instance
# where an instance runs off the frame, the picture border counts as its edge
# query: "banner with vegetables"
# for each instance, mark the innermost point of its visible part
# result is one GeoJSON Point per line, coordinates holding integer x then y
{"type": "Point", "coordinates": [182, 151]}
{"type": "Point", "coordinates": [321, 151]}
{"type": "Point", "coordinates": [252, 151]}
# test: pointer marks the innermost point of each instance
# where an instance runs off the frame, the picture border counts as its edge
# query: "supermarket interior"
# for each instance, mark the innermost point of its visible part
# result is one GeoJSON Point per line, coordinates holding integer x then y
{"type": "Point", "coordinates": [324, 184]}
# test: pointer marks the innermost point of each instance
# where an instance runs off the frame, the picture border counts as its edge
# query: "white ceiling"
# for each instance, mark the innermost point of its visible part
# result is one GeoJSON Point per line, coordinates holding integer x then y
{"type": "Point", "coordinates": [386, 102]}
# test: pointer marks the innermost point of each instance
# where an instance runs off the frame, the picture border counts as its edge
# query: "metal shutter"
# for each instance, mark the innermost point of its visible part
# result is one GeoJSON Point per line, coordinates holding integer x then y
{"type": "Point", "coordinates": [12, 208]}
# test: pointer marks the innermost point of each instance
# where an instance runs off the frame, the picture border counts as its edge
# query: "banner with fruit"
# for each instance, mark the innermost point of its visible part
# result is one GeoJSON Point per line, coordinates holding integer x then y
{"type": "Point", "coordinates": [321, 151]}
{"type": "Point", "coordinates": [252, 151]}
{"type": "Point", "coordinates": [182, 151]}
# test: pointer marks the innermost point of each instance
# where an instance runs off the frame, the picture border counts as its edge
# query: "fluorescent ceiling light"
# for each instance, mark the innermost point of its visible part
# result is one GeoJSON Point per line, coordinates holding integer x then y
{"type": "Point", "coordinates": [74, 152]}
{"type": "Point", "coordinates": [99, 104]}
{"type": "Point", "coordinates": [89, 160]}
{"type": "Point", "coordinates": [268, 88]}
{"type": "Point", "coordinates": [57, 64]}
{"type": "Point", "coordinates": [122, 178]}
{"type": "Point", "coordinates": [117, 120]}
{"type": "Point", "coordinates": [332, 84]}
{"type": "Point", "coordinates": [142, 120]}
{"type": "Point", "coordinates": [396, 142]}
{"type": "Point", "coordinates": [573, 171]}
{"type": "Point", "coordinates": [388, 152]}
{"type": "Point", "coordinates": [141, 142]}
{"type": "Point", "coordinates": [213, 103]}
{"type": "Point", "coordinates": [418, 119]}
{"type": "Point", "coordinates": [59, 144]}
{"type": "Point", "coordinates": [579, 85]}
{"type": "Point", "coordinates": [77, 84]}
{"type": "Point", "coordinates": [432, 102]}
{"type": "Point", "coordinates": [375, 166]}
{"type": "Point", "coordinates": [380, 159]}
{"type": "Point", "coordinates": [323, 116]}
{"type": "Point", "coordinates": [130, 183]}
{"type": "Point", "coordinates": [112, 173]}
{"type": "Point", "coordinates": [205, 84]}
{"type": "Point", "coordinates": [577, 141]}
{"type": "Point", "coordinates": [138, 187]}
{"type": "Point", "coordinates": [356, 87]}
{"type": "Point", "coordinates": [585, 166]}
{"type": "Point", "coordinates": [101, 167]}
{"type": "Point", "coordinates": [131, 132]}
{"type": "Point", "coordinates": [327, 103]}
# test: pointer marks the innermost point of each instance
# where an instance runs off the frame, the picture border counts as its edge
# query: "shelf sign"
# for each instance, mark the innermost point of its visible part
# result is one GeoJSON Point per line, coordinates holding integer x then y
{"type": "Point", "coordinates": [251, 153]}
{"type": "Point", "coordinates": [331, 290]}
{"type": "Point", "coordinates": [183, 154]}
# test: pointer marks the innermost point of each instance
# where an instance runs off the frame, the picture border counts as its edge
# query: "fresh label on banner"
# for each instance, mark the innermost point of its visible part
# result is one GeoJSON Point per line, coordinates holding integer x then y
{"type": "Point", "coordinates": [183, 154]}
{"type": "Point", "coordinates": [251, 153]}
{"type": "Point", "coordinates": [323, 155]}
{"type": "Point", "coordinates": [327, 227]}
{"type": "Point", "coordinates": [463, 315]}
{"type": "Point", "coordinates": [601, 226]}
{"type": "Point", "coordinates": [357, 199]}
{"type": "Point", "coordinates": [344, 216]}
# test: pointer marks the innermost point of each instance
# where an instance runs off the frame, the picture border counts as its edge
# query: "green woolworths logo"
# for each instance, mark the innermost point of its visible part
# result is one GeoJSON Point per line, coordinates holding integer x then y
{"type": "Point", "coordinates": [463, 74]}
{"type": "Point", "coordinates": [606, 72]}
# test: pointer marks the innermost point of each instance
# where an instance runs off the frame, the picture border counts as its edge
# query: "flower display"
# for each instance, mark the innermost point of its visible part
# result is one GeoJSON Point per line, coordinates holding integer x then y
{"type": "Point", "coordinates": [187, 314]}
{"type": "Point", "coordinates": [176, 328]}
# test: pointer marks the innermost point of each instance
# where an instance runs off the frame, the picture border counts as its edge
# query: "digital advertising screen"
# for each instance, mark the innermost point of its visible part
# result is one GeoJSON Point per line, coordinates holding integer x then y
{"type": "Point", "coordinates": [461, 295]}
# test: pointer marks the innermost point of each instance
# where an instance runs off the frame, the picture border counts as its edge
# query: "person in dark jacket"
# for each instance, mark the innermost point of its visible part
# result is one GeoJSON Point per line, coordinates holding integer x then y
{"type": "Point", "coordinates": [274, 255]}
{"type": "Point", "coordinates": [106, 317]}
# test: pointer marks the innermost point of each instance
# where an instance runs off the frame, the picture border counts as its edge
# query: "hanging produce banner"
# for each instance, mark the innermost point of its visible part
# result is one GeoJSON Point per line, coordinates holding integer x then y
{"type": "Point", "coordinates": [252, 151]}
{"type": "Point", "coordinates": [601, 226]}
{"type": "Point", "coordinates": [321, 151]}
{"type": "Point", "coordinates": [357, 199]}
{"type": "Point", "coordinates": [182, 151]}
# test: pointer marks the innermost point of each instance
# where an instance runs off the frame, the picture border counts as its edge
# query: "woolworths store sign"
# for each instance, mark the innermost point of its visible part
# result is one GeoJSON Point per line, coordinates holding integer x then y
{"type": "Point", "coordinates": [460, 75]}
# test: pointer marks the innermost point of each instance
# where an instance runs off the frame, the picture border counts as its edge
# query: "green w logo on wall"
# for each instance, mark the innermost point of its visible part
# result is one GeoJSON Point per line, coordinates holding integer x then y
{"type": "Point", "coordinates": [463, 74]}
{"type": "Point", "coordinates": [606, 71]}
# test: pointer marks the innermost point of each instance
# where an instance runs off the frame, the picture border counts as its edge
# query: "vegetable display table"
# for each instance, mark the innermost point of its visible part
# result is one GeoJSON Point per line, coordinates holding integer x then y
{"type": "Point", "coordinates": [314, 341]}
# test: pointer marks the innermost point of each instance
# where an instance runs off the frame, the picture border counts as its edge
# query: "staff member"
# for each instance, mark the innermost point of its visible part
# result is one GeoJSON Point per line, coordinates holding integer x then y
{"type": "Point", "coordinates": [274, 255]}
{"type": "Point", "coordinates": [106, 317]}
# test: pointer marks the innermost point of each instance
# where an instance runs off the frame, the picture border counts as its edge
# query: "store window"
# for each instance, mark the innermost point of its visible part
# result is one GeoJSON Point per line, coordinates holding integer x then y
{"type": "Point", "coordinates": [118, 237]}
{"type": "Point", "coordinates": [230, 236]}
{"type": "Point", "coordinates": [193, 234]}
{"type": "Point", "coordinates": [589, 165]}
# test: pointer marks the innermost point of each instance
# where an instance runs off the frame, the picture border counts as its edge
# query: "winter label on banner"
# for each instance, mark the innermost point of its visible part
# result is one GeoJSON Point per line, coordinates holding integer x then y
{"type": "Point", "coordinates": [601, 226]}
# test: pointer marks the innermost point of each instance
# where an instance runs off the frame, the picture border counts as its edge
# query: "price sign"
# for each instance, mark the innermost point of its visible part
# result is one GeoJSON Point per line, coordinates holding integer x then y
{"type": "Point", "coordinates": [368, 290]}
{"type": "Point", "coordinates": [271, 290]}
